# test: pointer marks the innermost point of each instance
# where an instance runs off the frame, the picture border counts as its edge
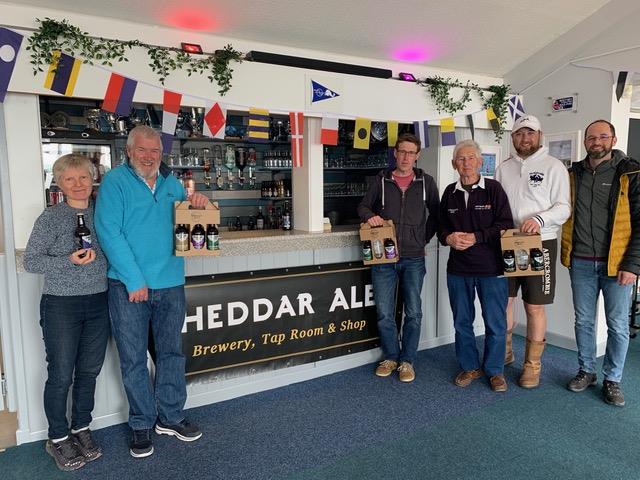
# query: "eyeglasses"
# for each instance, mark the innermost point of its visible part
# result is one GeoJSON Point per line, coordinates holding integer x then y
{"type": "Point", "coordinates": [407, 153]}
{"type": "Point", "coordinates": [602, 138]}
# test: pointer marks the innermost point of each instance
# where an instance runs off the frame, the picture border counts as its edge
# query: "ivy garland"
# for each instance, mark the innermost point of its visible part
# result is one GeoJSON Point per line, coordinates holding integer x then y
{"type": "Point", "coordinates": [55, 35]}
{"type": "Point", "coordinates": [439, 90]}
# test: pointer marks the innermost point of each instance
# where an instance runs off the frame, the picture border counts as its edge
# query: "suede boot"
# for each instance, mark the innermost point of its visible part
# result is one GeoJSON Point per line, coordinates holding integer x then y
{"type": "Point", "coordinates": [530, 377]}
{"type": "Point", "coordinates": [508, 354]}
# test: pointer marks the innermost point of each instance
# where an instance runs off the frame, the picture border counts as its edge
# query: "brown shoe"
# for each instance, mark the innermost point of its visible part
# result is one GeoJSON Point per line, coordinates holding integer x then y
{"type": "Point", "coordinates": [530, 377]}
{"type": "Point", "coordinates": [386, 367]}
{"type": "Point", "coordinates": [406, 372]}
{"type": "Point", "coordinates": [498, 383]}
{"type": "Point", "coordinates": [464, 378]}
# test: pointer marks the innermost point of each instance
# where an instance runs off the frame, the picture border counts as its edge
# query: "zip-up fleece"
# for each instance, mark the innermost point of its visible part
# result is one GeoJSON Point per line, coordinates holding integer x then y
{"type": "Point", "coordinates": [537, 187]}
{"type": "Point", "coordinates": [414, 212]}
{"type": "Point", "coordinates": [624, 216]}
{"type": "Point", "coordinates": [135, 228]}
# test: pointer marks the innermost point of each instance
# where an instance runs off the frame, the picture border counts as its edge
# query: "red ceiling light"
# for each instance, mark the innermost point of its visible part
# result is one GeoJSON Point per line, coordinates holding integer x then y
{"type": "Point", "coordinates": [193, 48]}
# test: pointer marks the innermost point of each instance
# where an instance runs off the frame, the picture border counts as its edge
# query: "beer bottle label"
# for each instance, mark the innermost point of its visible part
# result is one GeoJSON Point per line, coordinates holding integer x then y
{"type": "Point", "coordinates": [182, 241]}
{"type": "Point", "coordinates": [213, 242]}
{"type": "Point", "coordinates": [85, 241]}
{"type": "Point", "coordinates": [197, 239]}
{"type": "Point", "coordinates": [390, 251]}
{"type": "Point", "coordinates": [366, 253]}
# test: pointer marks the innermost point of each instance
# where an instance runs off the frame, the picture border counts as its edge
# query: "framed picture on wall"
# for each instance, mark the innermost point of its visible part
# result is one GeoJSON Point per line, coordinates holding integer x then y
{"type": "Point", "coordinates": [491, 157]}
{"type": "Point", "coordinates": [566, 146]}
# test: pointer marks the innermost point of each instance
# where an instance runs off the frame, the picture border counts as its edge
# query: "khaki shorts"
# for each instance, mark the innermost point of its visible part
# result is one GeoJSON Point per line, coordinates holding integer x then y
{"type": "Point", "coordinates": [539, 289]}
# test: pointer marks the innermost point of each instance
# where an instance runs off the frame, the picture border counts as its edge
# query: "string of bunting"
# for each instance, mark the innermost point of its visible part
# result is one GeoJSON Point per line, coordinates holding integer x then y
{"type": "Point", "coordinates": [64, 72]}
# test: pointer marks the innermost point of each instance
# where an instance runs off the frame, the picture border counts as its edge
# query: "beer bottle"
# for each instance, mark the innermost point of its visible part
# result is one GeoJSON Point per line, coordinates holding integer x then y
{"type": "Point", "coordinates": [366, 250]}
{"type": "Point", "coordinates": [82, 234]}
{"type": "Point", "coordinates": [181, 238]}
{"type": "Point", "coordinates": [213, 237]}
{"type": "Point", "coordinates": [508, 261]}
{"type": "Point", "coordinates": [260, 220]}
{"type": "Point", "coordinates": [537, 259]}
{"type": "Point", "coordinates": [238, 224]}
{"type": "Point", "coordinates": [286, 217]}
{"type": "Point", "coordinates": [389, 248]}
{"type": "Point", "coordinates": [198, 237]}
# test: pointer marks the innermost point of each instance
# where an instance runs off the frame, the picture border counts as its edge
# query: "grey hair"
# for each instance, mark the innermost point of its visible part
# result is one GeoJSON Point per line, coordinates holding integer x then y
{"type": "Point", "coordinates": [467, 143]}
{"type": "Point", "coordinates": [72, 160]}
{"type": "Point", "coordinates": [143, 131]}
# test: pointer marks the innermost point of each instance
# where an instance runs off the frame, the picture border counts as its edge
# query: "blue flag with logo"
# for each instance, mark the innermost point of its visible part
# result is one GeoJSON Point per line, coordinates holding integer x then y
{"type": "Point", "coordinates": [10, 42]}
{"type": "Point", "coordinates": [320, 92]}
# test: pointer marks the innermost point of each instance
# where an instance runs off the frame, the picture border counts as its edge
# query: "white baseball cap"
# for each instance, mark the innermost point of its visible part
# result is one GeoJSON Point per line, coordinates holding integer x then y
{"type": "Point", "coordinates": [527, 121]}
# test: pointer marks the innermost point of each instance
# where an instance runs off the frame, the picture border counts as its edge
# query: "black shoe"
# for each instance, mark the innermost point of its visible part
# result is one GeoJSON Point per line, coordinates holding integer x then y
{"type": "Point", "coordinates": [141, 445]}
{"type": "Point", "coordinates": [612, 393]}
{"type": "Point", "coordinates": [582, 381]}
{"type": "Point", "coordinates": [185, 431]}
{"type": "Point", "coordinates": [87, 446]}
{"type": "Point", "coordinates": [66, 454]}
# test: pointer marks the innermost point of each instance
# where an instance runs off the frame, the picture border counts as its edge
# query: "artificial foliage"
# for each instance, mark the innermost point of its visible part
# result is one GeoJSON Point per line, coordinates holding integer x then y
{"type": "Point", "coordinates": [439, 89]}
{"type": "Point", "coordinates": [61, 35]}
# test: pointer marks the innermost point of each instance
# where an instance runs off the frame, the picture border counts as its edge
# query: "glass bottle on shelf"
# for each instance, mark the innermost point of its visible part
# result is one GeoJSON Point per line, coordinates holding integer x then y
{"type": "Point", "coordinates": [219, 179]}
{"type": "Point", "coordinates": [189, 183]}
{"type": "Point", "coordinates": [286, 217]}
{"type": "Point", "coordinates": [230, 157]}
{"type": "Point", "coordinates": [230, 179]}
{"type": "Point", "coordinates": [207, 173]}
{"type": "Point", "coordinates": [238, 225]}
{"type": "Point", "coordinates": [259, 219]}
{"type": "Point", "coordinates": [252, 178]}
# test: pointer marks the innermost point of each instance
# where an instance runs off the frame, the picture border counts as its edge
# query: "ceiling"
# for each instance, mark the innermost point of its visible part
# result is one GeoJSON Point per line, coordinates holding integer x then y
{"type": "Point", "coordinates": [485, 37]}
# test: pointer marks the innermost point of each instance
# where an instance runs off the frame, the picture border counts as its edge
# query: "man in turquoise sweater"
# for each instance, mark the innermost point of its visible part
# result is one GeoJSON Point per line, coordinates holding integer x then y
{"type": "Point", "coordinates": [134, 222]}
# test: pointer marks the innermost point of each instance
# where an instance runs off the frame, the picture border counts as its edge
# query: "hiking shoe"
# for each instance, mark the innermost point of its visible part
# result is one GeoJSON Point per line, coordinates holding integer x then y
{"type": "Point", "coordinates": [498, 383]}
{"type": "Point", "coordinates": [582, 381]}
{"type": "Point", "coordinates": [406, 372]}
{"type": "Point", "coordinates": [66, 454]}
{"type": "Point", "coordinates": [185, 431]}
{"type": "Point", "coordinates": [140, 445]}
{"type": "Point", "coordinates": [386, 367]}
{"type": "Point", "coordinates": [464, 378]}
{"type": "Point", "coordinates": [612, 393]}
{"type": "Point", "coordinates": [90, 451]}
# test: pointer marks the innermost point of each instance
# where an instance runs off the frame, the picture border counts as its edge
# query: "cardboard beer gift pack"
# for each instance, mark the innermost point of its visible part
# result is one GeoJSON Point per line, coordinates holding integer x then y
{"type": "Point", "coordinates": [210, 215]}
{"type": "Point", "coordinates": [516, 242]}
{"type": "Point", "coordinates": [367, 232]}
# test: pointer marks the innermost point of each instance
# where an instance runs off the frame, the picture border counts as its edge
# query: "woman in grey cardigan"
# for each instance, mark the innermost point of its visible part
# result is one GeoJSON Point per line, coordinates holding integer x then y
{"type": "Point", "coordinates": [74, 315]}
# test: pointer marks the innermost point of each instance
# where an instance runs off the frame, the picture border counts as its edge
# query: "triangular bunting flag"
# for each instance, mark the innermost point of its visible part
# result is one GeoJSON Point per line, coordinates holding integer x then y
{"type": "Point", "coordinates": [362, 133]}
{"type": "Point", "coordinates": [119, 95]}
{"type": "Point", "coordinates": [516, 107]}
{"type": "Point", "coordinates": [392, 133]}
{"type": "Point", "coordinates": [170, 108]}
{"type": "Point", "coordinates": [329, 131]}
{"type": "Point", "coordinates": [471, 126]}
{"type": "Point", "coordinates": [63, 73]}
{"type": "Point", "coordinates": [10, 42]}
{"type": "Point", "coordinates": [320, 92]}
{"type": "Point", "coordinates": [622, 80]}
{"type": "Point", "coordinates": [258, 125]}
{"type": "Point", "coordinates": [447, 131]}
{"type": "Point", "coordinates": [215, 119]}
{"type": "Point", "coordinates": [421, 130]}
{"type": "Point", "coordinates": [296, 122]}
{"type": "Point", "coordinates": [493, 120]}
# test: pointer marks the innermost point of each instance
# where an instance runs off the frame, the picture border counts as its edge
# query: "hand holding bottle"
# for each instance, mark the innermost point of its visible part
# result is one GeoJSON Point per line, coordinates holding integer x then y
{"type": "Point", "coordinates": [82, 256]}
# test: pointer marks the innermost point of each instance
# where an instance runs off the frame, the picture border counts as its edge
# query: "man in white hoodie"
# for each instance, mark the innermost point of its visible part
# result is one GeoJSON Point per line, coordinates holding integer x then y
{"type": "Point", "coordinates": [537, 186]}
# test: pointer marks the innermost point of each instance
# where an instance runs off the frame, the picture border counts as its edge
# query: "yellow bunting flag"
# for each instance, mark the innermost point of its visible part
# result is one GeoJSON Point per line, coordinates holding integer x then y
{"type": "Point", "coordinates": [447, 131]}
{"type": "Point", "coordinates": [493, 120]}
{"type": "Point", "coordinates": [392, 133]}
{"type": "Point", "coordinates": [258, 125]}
{"type": "Point", "coordinates": [362, 133]}
{"type": "Point", "coordinates": [63, 73]}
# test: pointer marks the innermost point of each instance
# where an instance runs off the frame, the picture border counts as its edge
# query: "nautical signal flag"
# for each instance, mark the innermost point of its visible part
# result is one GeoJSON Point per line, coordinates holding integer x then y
{"type": "Point", "coordinates": [392, 133]}
{"type": "Point", "coordinates": [319, 92]}
{"type": "Point", "coordinates": [63, 73]}
{"type": "Point", "coordinates": [10, 42]}
{"type": "Point", "coordinates": [296, 123]}
{"type": "Point", "coordinates": [215, 119]}
{"type": "Point", "coordinates": [258, 125]}
{"type": "Point", "coordinates": [329, 130]}
{"type": "Point", "coordinates": [493, 120]}
{"type": "Point", "coordinates": [362, 133]}
{"type": "Point", "coordinates": [516, 107]}
{"type": "Point", "coordinates": [170, 109]}
{"type": "Point", "coordinates": [119, 95]}
{"type": "Point", "coordinates": [421, 130]}
{"type": "Point", "coordinates": [471, 126]}
{"type": "Point", "coordinates": [447, 131]}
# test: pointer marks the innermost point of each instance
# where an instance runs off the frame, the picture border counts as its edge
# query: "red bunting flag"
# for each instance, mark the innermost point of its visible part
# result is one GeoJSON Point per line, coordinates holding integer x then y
{"type": "Point", "coordinates": [215, 118]}
{"type": "Point", "coordinates": [297, 129]}
{"type": "Point", "coordinates": [170, 109]}
{"type": "Point", "coordinates": [329, 132]}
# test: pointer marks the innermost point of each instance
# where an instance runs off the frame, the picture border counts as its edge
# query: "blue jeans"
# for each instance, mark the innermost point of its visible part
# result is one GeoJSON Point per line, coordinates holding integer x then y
{"type": "Point", "coordinates": [493, 293]}
{"type": "Point", "coordinates": [164, 314]}
{"type": "Point", "coordinates": [588, 278]}
{"type": "Point", "coordinates": [75, 331]}
{"type": "Point", "coordinates": [409, 271]}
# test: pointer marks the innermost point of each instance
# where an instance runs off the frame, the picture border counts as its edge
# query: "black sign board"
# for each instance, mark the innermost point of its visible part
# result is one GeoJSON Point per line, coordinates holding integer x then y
{"type": "Point", "coordinates": [276, 318]}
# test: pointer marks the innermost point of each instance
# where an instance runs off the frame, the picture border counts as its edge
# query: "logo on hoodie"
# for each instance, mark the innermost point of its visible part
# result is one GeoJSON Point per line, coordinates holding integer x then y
{"type": "Point", "coordinates": [536, 178]}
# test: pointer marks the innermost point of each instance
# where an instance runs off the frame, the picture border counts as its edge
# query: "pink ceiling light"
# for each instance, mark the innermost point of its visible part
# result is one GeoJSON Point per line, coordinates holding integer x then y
{"type": "Point", "coordinates": [413, 53]}
{"type": "Point", "coordinates": [190, 19]}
